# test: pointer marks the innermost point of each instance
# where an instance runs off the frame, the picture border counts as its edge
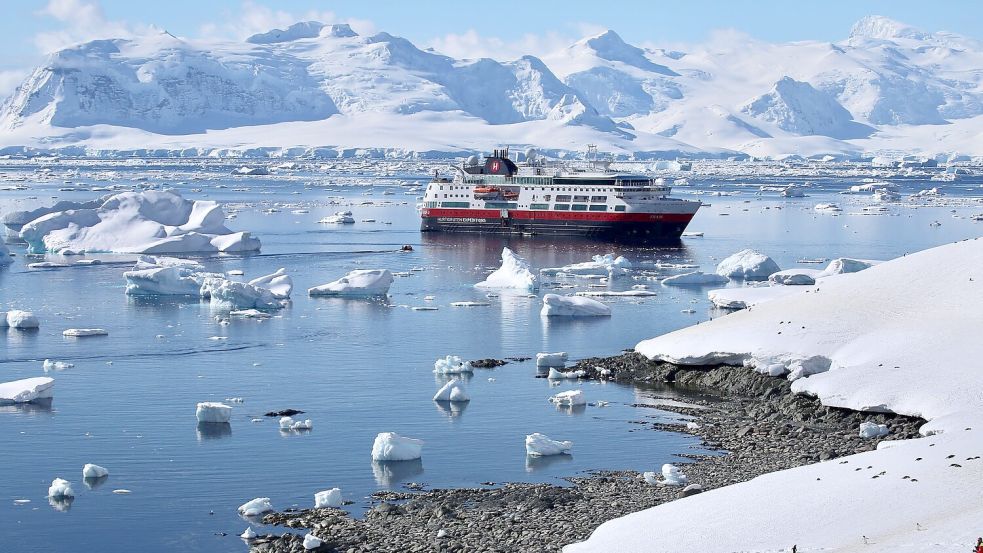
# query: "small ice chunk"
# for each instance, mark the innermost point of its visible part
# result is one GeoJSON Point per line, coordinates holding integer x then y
{"type": "Point", "coordinates": [250, 314]}
{"type": "Point", "coordinates": [85, 332]}
{"type": "Point", "coordinates": [27, 390]}
{"type": "Point", "coordinates": [555, 305]}
{"type": "Point", "coordinates": [569, 398]}
{"type": "Point", "coordinates": [557, 359]}
{"type": "Point", "coordinates": [672, 476]}
{"type": "Point", "coordinates": [695, 278]}
{"type": "Point", "coordinates": [328, 498]}
{"type": "Point", "coordinates": [873, 430]}
{"type": "Point", "coordinates": [692, 425]}
{"type": "Point", "coordinates": [339, 218]}
{"type": "Point", "coordinates": [287, 423]}
{"type": "Point", "coordinates": [558, 375]}
{"type": "Point", "coordinates": [748, 265]}
{"type": "Point", "coordinates": [93, 471]}
{"type": "Point", "coordinates": [21, 320]}
{"type": "Point", "coordinates": [794, 277]}
{"type": "Point", "coordinates": [248, 533]}
{"type": "Point", "coordinates": [210, 411]}
{"type": "Point", "coordinates": [471, 303]}
{"type": "Point", "coordinates": [452, 391]}
{"type": "Point", "coordinates": [50, 365]}
{"type": "Point", "coordinates": [600, 265]}
{"type": "Point", "coordinates": [236, 272]}
{"type": "Point", "coordinates": [256, 507]}
{"type": "Point", "coordinates": [452, 364]}
{"type": "Point", "coordinates": [60, 488]}
{"type": "Point", "coordinates": [651, 478]}
{"type": "Point", "coordinates": [122, 491]}
{"type": "Point", "coordinates": [311, 542]}
{"type": "Point", "coordinates": [390, 446]}
{"type": "Point", "coordinates": [362, 282]}
{"type": "Point", "coordinates": [538, 445]}
{"type": "Point", "coordinates": [514, 273]}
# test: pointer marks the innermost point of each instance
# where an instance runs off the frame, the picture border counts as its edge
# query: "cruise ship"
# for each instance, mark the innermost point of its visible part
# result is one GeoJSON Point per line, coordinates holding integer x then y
{"type": "Point", "coordinates": [535, 198]}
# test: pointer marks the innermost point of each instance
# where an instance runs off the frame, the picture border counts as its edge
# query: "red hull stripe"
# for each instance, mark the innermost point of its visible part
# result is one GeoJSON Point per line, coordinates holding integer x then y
{"type": "Point", "coordinates": [592, 216]}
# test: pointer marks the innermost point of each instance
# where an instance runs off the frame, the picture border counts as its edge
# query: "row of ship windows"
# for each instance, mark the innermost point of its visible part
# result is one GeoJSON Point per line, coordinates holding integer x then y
{"type": "Point", "coordinates": [549, 197]}
{"type": "Point", "coordinates": [559, 189]}
{"type": "Point", "coordinates": [535, 207]}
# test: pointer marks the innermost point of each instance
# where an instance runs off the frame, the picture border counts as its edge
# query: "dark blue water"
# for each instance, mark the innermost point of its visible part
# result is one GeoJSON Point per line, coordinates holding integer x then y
{"type": "Point", "coordinates": [355, 367]}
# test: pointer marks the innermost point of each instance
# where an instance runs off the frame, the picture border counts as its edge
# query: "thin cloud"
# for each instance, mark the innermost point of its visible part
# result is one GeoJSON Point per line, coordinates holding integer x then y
{"type": "Point", "coordinates": [81, 21]}
{"type": "Point", "coordinates": [252, 18]}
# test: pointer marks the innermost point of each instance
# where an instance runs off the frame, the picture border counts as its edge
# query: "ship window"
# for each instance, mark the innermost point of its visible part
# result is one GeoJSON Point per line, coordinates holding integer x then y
{"type": "Point", "coordinates": [562, 207]}
{"type": "Point", "coordinates": [579, 207]}
{"type": "Point", "coordinates": [580, 198]}
{"type": "Point", "coordinates": [619, 208]}
{"type": "Point", "coordinates": [563, 198]}
{"type": "Point", "coordinates": [598, 198]}
{"type": "Point", "coordinates": [547, 197]}
{"type": "Point", "coordinates": [539, 206]}
{"type": "Point", "coordinates": [598, 207]}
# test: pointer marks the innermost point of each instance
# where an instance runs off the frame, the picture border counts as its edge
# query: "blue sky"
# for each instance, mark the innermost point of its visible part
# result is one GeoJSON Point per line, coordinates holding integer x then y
{"type": "Point", "coordinates": [30, 28]}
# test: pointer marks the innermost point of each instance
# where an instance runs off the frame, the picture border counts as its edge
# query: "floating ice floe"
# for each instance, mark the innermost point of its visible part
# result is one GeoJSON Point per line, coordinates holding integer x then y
{"type": "Point", "coordinates": [513, 274]}
{"type": "Point", "coordinates": [557, 375]}
{"type": "Point", "coordinates": [250, 314]}
{"type": "Point", "coordinates": [452, 391]}
{"type": "Point", "coordinates": [256, 507]}
{"type": "Point", "coordinates": [84, 332]}
{"type": "Point", "coordinates": [60, 489]}
{"type": "Point", "coordinates": [557, 359]}
{"type": "Point", "coordinates": [569, 398]}
{"type": "Point", "coordinates": [339, 218]}
{"type": "Point", "coordinates": [287, 423]}
{"type": "Point", "coordinates": [748, 265]}
{"type": "Point", "coordinates": [138, 222]}
{"type": "Point", "coordinates": [390, 446]}
{"type": "Point", "coordinates": [311, 541]}
{"type": "Point", "coordinates": [231, 295]}
{"type": "Point", "coordinates": [21, 320]}
{"type": "Point", "coordinates": [279, 284]}
{"type": "Point", "coordinates": [601, 265]}
{"type": "Point", "coordinates": [50, 365]}
{"type": "Point", "coordinates": [452, 364]}
{"type": "Point", "coordinates": [27, 390]}
{"type": "Point", "coordinates": [248, 533]}
{"type": "Point", "coordinates": [540, 445]}
{"type": "Point", "coordinates": [617, 293]}
{"type": "Point", "coordinates": [94, 471]}
{"type": "Point", "coordinates": [212, 411]}
{"type": "Point", "coordinates": [873, 430]}
{"type": "Point", "coordinates": [555, 305]}
{"type": "Point", "coordinates": [250, 171]}
{"type": "Point", "coordinates": [470, 304]}
{"type": "Point", "coordinates": [328, 498]}
{"type": "Point", "coordinates": [358, 283]}
{"type": "Point", "coordinates": [795, 277]}
{"type": "Point", "coordinates": [828, 208]}
{"type": "Point", "coordinates": [695, 278]}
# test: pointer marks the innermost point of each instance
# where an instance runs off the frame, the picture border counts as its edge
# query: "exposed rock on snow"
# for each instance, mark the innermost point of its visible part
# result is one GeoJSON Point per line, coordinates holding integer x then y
{"type": "Point", "coordinates": [138, 222]}
{"type": "Point", "coordinates": [390, 446]}
{"type": "Point", "coordinates": [94, 471]}
{"type": "Point", "coordinates": [27, 390]}
{"type": "Point", "coordinates": [747, 265]}
{"type": "Point", "coordinates": [514, 273]}
{"type": "Point", "coordinates": [695, 278]}
{"type": "Point", "coordinates": [210, 411]}
{"type": "Point", "coordinates": [358, 283]}
{"type": "Point", "coordinates": [256, 507]}
{"type": "Point", "coordinates": [569, 398]}
{"type": "Point", "coordinates": [452, 391]}
{"type": "Point", "coordinates": [539, 445]}
{"type": "Point", "coordinates": [573, 306]}
{"type": "Point", "coordinates": [328, 498]}
{"type": "Point", "coordinates": [452, 364]}
{"type": "Point", "coordinates": [551, 359]}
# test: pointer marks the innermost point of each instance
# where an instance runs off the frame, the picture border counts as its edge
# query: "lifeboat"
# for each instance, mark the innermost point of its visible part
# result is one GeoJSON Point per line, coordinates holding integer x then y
{"type": "Point", "coordinates": [510, 195]}
{"type": "Point", "coordinates": [486, 192]}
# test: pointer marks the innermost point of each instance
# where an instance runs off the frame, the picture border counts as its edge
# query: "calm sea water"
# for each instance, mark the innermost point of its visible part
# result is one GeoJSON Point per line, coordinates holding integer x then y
{"type": "Point", "coordinates": [355, 367]}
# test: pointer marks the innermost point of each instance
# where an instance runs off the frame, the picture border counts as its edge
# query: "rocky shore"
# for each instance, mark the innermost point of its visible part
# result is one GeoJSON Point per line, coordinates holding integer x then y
{"type": "Point", "coordinates": [753, 421]}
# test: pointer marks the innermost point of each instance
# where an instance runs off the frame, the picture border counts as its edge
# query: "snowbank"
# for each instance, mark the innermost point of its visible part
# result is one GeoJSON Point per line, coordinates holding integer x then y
{"type": "Point", "coordinates": [94, 471]}
{"type": "Point", "coordinates": [695, 278]}
{"type": "Point", "coordinates": [210, 411]}
{"type": "Point", "coordinates": [452, 391]}
{"type": "Point", "coordinates": [747, 265]}
{"type": "Point", "coordinates": [256, 507]}
{"type": "Point", "coordinates": [843, 265]}
{"type": "Point", "coordinates": [557, 359]}
{"type": "Point", "coordinates": [390, 446]}
{"type": "Point", "coordinates": [540, 445]}
{"type": "Point", "coordinates": [137, 222]}
{"type": "Point", "coordinates": [27, 390]}
{"type": "Point", "coordinates": [601, 265]}
{"type": "Point", "coordinates": [452, 364]}
{"type": "Point", "coordinates": [573, 306]}
{"type": "Point", "coordinates": [514, 273]}
{"type": "Point", "coordinates": [900, 336]}
{"type": "Point", "coordinates": [328, 498]}
{"type": "Point", "coordinates": [361, 282]}
{"type": "Point", "coordinates": [569, 398]}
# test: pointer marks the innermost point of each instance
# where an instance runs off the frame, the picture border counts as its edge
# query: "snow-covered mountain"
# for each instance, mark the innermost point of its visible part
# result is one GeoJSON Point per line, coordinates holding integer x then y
{"type": "Point", "coordinates": [887, 86]}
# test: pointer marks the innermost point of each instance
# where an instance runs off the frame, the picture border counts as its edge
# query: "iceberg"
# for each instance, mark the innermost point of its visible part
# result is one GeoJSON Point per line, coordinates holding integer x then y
{"type": "Point", "coordinates": [569, 398]}
{"type": "Point", "coordinates": [555, 305]}
{"type": "Point", "coordinates": [748, 265]}
{"type": "Point", "coordinates": [60, 489]}
{"type": "Point", "coordinates": [288, 423]}
{"type": "Point", "coordinates": [843, 265]}
{"type": "Point", "coordinates": [339, 218]}
{"type": "Point", "coordinates": [231, 295]}
{"type": "Point", "coordinates": [795, 277]}
{"type": "Point", "coordinates": [390, 446]}
{"type": "Point", "coordinates": [557, 359]}
{"type": "Point", "coordinates": [210, 411]}
{"type": "Point", "coordinates": [94, 471]}
{"type": "Point", "coordinates": [14, 220]}
{"type": "Point", "coordinates": [873, 430]}
{"type": "Point", "coordinates": [540, 445]}
{"type": "Point", "coordinates": [21, 320]}
{"type": "Point", "coordinates": [695, 278]}
{"type": "Point", "coordinates": [84, 332]}
{"type": "Point", "coordinates": [279, 284]}
{"type": "Point", "coordinates": [50, 365]}
{"type": "Point", "coordinates": [601, 265]}
{"type": "Point", "coordinates": [166, 281]}
{"type": "Point", "coordinates": [452, 391]}
{"type": "Point", "coordinates": [256, 507]}
{"type": "Point", "coordinates": [27, 390]}
{"type": "Point", "coordinates": [452, 364]}
{"type": "Point", "coordinates": [358, 283]}
{"type": "Point", "coordinates": [328, 498]}
{"type": "Point", "coordinates": [513, 274]}
{"type": "Point", "coordinates": [137, 222]}
{"type": "Point", "coordinates": [557, 375]}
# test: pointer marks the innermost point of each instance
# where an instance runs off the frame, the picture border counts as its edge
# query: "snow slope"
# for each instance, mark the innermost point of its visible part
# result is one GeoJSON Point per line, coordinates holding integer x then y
{"type": "Point", "coordinates": [885, 86]}
{"type": "Point", "coordinates": [897, 337]}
